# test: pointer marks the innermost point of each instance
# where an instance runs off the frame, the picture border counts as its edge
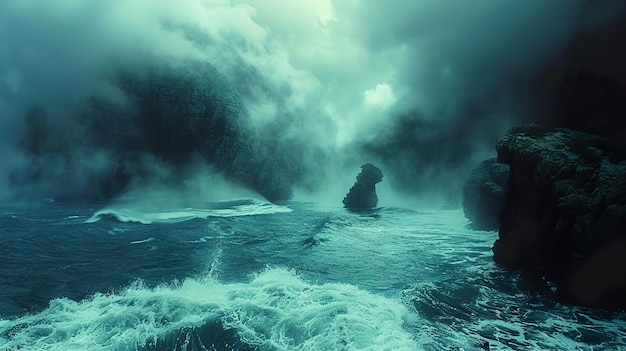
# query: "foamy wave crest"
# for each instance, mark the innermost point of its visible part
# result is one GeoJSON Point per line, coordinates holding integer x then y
{"type": "Point", "coordinates": [147, 215]}
{"type": "Point", "coordinates": [275, 311]}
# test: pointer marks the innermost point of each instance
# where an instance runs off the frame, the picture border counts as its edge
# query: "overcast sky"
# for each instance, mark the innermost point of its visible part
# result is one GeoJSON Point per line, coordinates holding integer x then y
{"type": "Point", "coordinates": [350, 66]}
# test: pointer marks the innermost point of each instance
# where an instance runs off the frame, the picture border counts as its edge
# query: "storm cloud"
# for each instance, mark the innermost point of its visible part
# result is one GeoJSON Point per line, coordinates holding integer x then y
{"type": "Point", "coordinates": [423, 88]}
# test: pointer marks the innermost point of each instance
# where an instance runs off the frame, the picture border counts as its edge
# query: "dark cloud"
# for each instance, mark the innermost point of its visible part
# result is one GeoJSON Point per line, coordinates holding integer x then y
{"type": "Point", "coordinates": [424, 88]}
{"type": "Point", "coordinates": [468, 73]}
{"type": "Point", "coordinates": [447, 52]}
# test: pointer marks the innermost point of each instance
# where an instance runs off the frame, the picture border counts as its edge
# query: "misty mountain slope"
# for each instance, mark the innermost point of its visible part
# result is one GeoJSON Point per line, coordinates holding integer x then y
{"type": "Point", "coordinates": [171, 116]}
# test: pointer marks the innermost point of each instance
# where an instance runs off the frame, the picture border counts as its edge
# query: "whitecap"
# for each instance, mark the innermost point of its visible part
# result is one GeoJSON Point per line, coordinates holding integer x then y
{"type": "Point", "coordinates": [150, 239]}
{"type": "Point", "coordinates": [276, 310]}
{"type": "Point", "coordinates": [148, 215]}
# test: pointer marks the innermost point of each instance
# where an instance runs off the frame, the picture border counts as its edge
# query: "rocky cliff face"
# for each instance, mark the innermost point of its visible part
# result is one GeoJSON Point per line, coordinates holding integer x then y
{"type": "Point", "coordinates": [564, 216]}
{"type": "Point", "coordinates": [177, 114]}
{"type": "Point", "coordinates": [484, 192]}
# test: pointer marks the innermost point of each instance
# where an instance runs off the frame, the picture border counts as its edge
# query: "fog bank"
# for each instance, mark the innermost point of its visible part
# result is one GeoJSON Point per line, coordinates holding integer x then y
{"type": "Point", "coordinates": [421, 88]}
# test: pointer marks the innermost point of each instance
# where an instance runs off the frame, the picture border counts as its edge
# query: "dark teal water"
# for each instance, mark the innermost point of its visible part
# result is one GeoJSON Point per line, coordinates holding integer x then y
{"type": "Point", "coordinates": [249, 275]}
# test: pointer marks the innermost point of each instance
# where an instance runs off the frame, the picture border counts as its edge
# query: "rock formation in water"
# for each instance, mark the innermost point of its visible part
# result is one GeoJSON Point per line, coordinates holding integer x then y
{"type": "Point", "coordinates": [176, 114]}
{"type": "Point", "coordinates": [362, 195]}
{"type": "Point", "coordinates": [483, 194]}
{"type": "Point", "coordinates": [564, 216]}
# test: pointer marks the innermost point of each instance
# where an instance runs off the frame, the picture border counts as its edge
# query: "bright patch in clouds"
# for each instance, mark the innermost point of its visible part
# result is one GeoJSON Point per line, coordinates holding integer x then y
{"type": "Point", "coordinates": [382, 96]}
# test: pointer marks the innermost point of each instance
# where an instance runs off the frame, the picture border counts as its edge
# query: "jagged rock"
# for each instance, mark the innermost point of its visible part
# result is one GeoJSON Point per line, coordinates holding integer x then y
{"type": "Point", "coordinates": [483, 194]}
{"type": "Point", "coordinates": [362, 195]}
{"type": "Point", "coordinates": [565, 213]}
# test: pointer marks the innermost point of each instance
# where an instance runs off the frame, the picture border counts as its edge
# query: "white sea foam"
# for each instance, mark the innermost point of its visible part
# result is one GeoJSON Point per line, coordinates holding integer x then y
{"type": "Point", "coordinates": [276, 310]}
{"type": "Point", "coordinates": [150, 239]}
{"type": "Point", "coordinates": [147, 215]}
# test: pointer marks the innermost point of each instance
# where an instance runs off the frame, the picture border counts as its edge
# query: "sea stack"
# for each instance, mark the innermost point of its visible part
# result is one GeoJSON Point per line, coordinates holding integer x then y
{"type": "Point", "coordinates": [362, 195]}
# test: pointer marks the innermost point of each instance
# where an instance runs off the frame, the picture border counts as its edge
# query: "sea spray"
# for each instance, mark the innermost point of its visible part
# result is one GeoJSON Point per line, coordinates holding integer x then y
{"type": "Point", "coordinates": [144, 214]}
{"type": "Point", "coordinates": [276, 310]}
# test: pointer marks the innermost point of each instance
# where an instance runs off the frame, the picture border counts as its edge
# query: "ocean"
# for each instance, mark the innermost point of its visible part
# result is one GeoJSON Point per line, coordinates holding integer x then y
{"type": "Point", "coordinates": [252, 275]}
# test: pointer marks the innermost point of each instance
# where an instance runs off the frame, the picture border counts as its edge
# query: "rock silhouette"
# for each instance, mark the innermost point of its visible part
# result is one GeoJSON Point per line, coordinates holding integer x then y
{"type": "Point", "coordinates": [362, 195]}
{"type": "Point", "coordinates": [484, 192]}
{"type": "Point", "coordinates": [565, 212]}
